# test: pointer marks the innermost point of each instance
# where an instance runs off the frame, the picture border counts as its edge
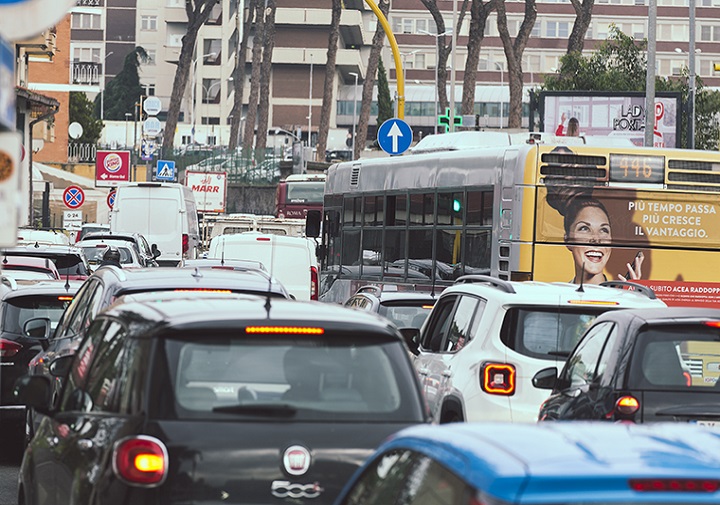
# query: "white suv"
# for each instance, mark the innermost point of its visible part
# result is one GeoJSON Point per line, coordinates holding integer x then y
{"type": "Point", "coordinates": [485, 339]}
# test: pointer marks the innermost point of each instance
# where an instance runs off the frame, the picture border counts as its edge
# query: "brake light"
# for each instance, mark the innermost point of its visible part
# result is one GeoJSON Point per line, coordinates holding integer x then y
{"type": "Point", "coordinates": [263, 239]}
{"type": "Point", "coordinates": [675, 485]}
{"type": "Point", "coordinates": [427, 307]}
{"type": "Point", "coordinates": [65, 298]}
{"type": "Point", "coordinates": [591, 302]}
{"type": "Point", "coordinates": [313, 283]}
{"type": "Point", "coordinates": [221, 268]}
{"type": "Point", "coordinates": [140, 461]}
{"type": "Point", "coordinates": [185, 243]}
{"type": "Point", "coordinates": [713, 324]}
{"type": "Point", "coordinates": [291, 330]}
{"type": "Point", "coordinates": [101, 245]}
{"type": "Point", "coordinates": [8, 348]}
{"type": "Point", "coordinates": [688, 379]}
{"type": "Point", "coordinates": [627, 405]}
{"type": "Point", "coordinates": [498, 379]}
{"type": "Point", "coordinates": [226, 291]}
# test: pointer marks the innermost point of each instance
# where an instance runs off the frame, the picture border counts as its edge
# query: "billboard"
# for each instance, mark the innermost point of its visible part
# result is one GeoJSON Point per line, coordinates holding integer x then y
{"type": "Point", "coordinates": [665, 240]}
{"type": "Point", "coordinates": [10, 155]}
{"type": "Point", "coordinates": [209, 188]}
{"type": "Point", "coordinates": [613, 113]}
{"type": "Point", "coordinates": [111, 168]}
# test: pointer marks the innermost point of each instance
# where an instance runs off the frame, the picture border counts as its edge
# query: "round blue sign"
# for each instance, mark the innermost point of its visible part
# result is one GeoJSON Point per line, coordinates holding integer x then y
{"type": "Point", "coordinates": [394, 136]}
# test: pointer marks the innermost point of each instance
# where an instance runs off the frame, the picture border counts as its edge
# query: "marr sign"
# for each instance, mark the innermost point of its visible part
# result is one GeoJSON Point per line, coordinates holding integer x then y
{"type": "Point", "coordinates": [209, 189]}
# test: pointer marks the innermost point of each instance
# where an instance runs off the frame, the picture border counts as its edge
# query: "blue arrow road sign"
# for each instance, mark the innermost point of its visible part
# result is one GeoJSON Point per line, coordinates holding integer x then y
{"type": "Point", "coordinates": [165, 170]}
{"type": "Point", "coordinates": [395, 136]}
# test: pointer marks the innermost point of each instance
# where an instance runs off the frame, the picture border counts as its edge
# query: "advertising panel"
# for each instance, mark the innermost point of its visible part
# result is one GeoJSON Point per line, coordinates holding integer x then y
{"type": "Point", "coordinates": [209, 188]}
{"type": "Point", "coordinates": [613, 114]}
{"type": "Point", "coordinates": [666, 240]}
{"type": "Point", "coordinates": [111, 168]}
{"type": "Point", "coordinates": [10, 153]}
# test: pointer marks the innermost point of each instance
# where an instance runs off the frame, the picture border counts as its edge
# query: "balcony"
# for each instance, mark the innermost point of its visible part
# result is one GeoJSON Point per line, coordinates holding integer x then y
{"type": "Point", "coordinates": [89, 3]}
{"type": "Point", "coordinates": [85, 73]}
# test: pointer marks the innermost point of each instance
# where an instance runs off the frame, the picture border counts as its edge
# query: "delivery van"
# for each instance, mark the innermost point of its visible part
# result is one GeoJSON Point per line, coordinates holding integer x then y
{"type": "Point", "coordinates": [290, 260]}
{"type": "Point", "coordinates": [164, 213]}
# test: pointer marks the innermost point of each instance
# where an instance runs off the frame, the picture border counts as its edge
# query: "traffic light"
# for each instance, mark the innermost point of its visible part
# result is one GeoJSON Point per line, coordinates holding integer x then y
{"type": "Point", "coordinates": [457, 205]}
{"type": "Point", "coordinates": [716, 67]}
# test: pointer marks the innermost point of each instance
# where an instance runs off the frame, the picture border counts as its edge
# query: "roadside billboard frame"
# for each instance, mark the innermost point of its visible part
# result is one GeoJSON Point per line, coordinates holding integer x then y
{"type": "Point", "coordinates": [201, 200]}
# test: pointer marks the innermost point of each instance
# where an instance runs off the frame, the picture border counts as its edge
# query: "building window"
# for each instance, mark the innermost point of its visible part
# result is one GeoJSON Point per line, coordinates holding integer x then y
{"type": "Point", "coordinates": [535, 33]}
{"type": "Point", "coordinates": [85, 21]}
{"type": "Point", "coordinates": [210, 120]}
{"type": "Point", "coordinates": [151, 56]}
{"type": "Point", "coordinates": [149, 89]}
{"type": "Point", "coordinates": [557, 29]}
{"type": "Point", "coordinates": [211, 91]}
{"type": "Point", "coordinates": [86, 54]}
{"type": "Point", "coordinates": [420, 61]}
{"type": "Point", "coordinates": [175, 39]}
{"type": "Point", "coordinates": [148, 23]}
{"type": "Point", "coordinates": [212, 48]}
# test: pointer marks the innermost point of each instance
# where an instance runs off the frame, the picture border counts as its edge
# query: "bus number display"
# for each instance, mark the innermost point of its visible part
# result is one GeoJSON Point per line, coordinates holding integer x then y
{"type": "Point", "coordinates": [637, 168]}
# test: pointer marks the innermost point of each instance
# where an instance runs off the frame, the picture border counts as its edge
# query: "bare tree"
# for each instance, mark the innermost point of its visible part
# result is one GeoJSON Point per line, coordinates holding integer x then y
{"type": "Point", "coordinates": [265, 72]}
{"type": "Point", "coordinates": [444, 48]}
{"type": "Point", "coordinates": [328, 91]}
{"type": "Point", "coordinates": [369, 82]}
{"type": "Point", "coordinates": [513, 54]}
{"type": "Point", "coordinates": [583, 17]}
{"type": "Point", "coordinates": [479, 12]}
{"type": "Point", "coordinates": [198, 11]}
{"type": "Point", "coordinates": [239, 73]}
{"type": "Point", "coordinates": [249, 133]}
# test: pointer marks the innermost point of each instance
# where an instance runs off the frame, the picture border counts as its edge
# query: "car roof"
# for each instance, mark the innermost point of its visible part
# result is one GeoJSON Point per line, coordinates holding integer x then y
{"type": "Point", "coordinates": [162, 278]}
{"type": "Point", "coordinates": [42, 249]}
{"type": "Point", "coordinates": [27, 261]}
{"type": "Point", "coordinates": [227, 311]}
{"type": "Point", "coordinates": [574, 462]}
{"type": "Point", "coordinates": [116, 242]}
{"type": "Point", "coordinates": [665, 315]}
{"type": "Point", "coordinates": [553, 293]}
{"type": "Point", "coordinates": [59, 287]}
{"type": "Point", "coordinates": [219, 262]}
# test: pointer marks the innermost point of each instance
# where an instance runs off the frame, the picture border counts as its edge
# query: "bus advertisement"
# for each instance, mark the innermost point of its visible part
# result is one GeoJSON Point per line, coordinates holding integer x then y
{"type": "Point", "coordinates": [299, 193]}
{"type": "Point", "coordinates": [551, 213]}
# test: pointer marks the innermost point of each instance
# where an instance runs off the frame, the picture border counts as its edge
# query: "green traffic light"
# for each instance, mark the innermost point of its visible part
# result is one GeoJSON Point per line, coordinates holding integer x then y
{"type": "Point", "coordinates": [456, 205]}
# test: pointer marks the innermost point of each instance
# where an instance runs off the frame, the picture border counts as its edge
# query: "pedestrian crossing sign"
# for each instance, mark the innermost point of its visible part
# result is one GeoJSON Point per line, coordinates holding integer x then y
{"type": "Point", "coordinates": [165, 170]}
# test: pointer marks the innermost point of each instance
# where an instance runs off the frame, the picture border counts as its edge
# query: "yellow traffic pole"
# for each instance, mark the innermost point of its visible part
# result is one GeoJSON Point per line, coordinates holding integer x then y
{"type": "Point", "coordinates": [399, 75]}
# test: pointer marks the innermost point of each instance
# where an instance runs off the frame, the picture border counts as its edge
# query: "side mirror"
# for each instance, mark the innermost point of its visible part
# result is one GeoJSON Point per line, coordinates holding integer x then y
{"type": "Point", "coordinates": [155, 251]}
{"type": "Point", "coordinates": [37, 328]}
{"type": "Point", "coordinates": [320, 252]}
{"type": "Point", "coordinates": [35, 391]}
{"type": "Point", "coordinates": [60, 367]}
{"type": "Point", "coordinates": [545, 378]}
{"type": "Point", "coordinates": [312, 223]}
{"type": "Point", "coordinates": [411, 337]}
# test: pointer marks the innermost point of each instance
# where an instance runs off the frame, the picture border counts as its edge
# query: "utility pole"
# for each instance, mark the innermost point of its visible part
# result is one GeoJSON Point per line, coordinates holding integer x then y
{"type": "Point", "coordinates": [650, 76]}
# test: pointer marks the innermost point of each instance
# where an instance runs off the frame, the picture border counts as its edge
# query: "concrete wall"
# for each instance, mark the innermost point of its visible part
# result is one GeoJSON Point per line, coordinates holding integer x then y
{"type": "Point", "coordinates": [251, 199]}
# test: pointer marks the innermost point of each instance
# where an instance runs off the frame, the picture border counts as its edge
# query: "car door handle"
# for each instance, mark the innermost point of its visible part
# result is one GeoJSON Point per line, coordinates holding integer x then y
{"type": "Point", "coordinates": [85, 444]}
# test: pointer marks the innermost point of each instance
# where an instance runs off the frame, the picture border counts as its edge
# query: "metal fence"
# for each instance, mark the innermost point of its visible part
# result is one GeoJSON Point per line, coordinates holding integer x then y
{"type": "Point", "coordinates": [81, 152]}
{"type": "Point", "coordinates": [252, 168]}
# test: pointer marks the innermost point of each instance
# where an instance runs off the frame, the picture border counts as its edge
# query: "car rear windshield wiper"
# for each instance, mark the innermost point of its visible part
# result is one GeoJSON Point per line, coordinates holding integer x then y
{"type": "Point", "coordinates": [259, 409]}
{"type": "Point", "coordinates": [562, 354]}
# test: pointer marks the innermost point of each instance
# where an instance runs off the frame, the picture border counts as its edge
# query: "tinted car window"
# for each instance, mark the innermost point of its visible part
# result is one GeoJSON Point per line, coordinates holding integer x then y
{"type": "Point", "coordinates": [405, 316]}
{"type": "Point", "coordinates": [582, 365]}
{"type": "Point", "coordinates": [105, 372]}
{"type": "Point", "coordinates": [408, 478]}
{"type": "Point", "coordinates": [685, 357]}
{"type": "Point", "coordinates": [350, 379]}
{"type": "Point", "coordinates": [95, 254]}
{"type": "Point", "coordinates": [440, 324]}
{"type": "Point", "coordinates": [19, 309]}
{"type": "Point", "coordinates": [70, 265]}
{"type": "Point", "coordinates": [545, 333]}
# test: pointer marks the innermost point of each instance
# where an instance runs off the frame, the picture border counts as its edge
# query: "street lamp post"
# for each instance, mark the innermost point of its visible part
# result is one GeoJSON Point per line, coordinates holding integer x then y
{"type": "Point", "coordinates": [691, 95]}
{"type": "Point", "coordinates": [102, 87]}
{"type": "Point", "coordinates": [437, 66]}
{"type": "Point", "coordinates": [310, 97]}
{"type": "Point", "coordinates": [355, 75]}
{"type": "Point", "coordinates": [502, 89]}
{"type": "Point", "coordinates": [127, 123]}
{"type": "Point", "coordinates": [207, 103]}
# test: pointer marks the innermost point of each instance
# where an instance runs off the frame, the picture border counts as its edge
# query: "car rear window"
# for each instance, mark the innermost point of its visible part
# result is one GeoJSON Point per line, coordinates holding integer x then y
{"type": "Point", "coordinates": [676, 357]}
{"type": "Point", "coordinates": [277, 377]}
{"type": "Point", "coordinates": [19, 309]}
{"type": "Point", "coordinates": [21, 273]}
{"type": "Point", "coordinates": [95, 254]}
{"type": "Point", "coordinates": [70, 264]}
{"type": "Point", "coordinates": [406, 315]}
{"type": "Point", "coordinates": [546, 333]}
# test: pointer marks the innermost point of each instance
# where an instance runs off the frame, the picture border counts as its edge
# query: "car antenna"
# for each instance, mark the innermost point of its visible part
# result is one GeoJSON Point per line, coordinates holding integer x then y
{"type": "Point", "coordinates": [67, 281]}
{"type": "Point", "coordinates": [582, 279]}
{"type": "Point", "coordinates": [272, 266]}
{"type": "Point", "coordinates": [432, 291]}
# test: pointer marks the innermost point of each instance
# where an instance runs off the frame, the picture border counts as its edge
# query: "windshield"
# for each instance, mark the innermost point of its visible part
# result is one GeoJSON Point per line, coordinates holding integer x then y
{"type": "Point", "coordinates": [22, 274]}
{"type": "Point", "coordinates": [309, 380]}
{"type": "Point", "coordinates": [95, 254]}
{"type": "Point", "coordinates": [305, 192]}
{"type": "Point", "coordinates": [545, 332]}
{"type": "Point", "coordinates": [406, 316]}
{"type": "Point", "coordinates": [19, 309]}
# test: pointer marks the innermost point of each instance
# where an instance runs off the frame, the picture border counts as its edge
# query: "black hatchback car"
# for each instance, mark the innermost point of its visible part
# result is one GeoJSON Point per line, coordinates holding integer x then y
{"type": "Point", "coordinates": [406, 309]}
{"type": "Point", "coordinates": [193, 398]}
{"type": "Point", "coordinates": [20, 302]}
{"type": "Point", "coordinates": [640, 365]}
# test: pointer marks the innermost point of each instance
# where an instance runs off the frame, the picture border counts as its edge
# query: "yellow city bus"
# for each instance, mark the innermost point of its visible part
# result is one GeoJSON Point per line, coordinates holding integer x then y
{"type": "Point", "coordinates": [419, 221]}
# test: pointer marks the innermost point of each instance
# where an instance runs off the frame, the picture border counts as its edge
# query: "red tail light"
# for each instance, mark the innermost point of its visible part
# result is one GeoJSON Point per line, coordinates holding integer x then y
{"type": "Point", "coordinates": [713, 324]}
{"type": "Point", "coordinates": [185, 243]}
{"type": "Point", "coordinates": [8, 348]}
{"type": "Point", "coordinates": [675, 485]}
{"type": "Point", "coordinates": [313, 283]}
{"type": "Point", "coordinates": [688, 379]}
{"type": "Point", "coordinates": [141, 461]}
{"type": "Point", "coordinates": [498, 379]}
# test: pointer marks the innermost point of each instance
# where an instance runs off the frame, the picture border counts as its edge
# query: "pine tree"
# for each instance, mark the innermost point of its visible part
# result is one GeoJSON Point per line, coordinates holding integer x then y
{"type": "Point", "coordinates": [385, 103]}
{"type": "Point", "coordinates": [81, 111]}
{"type": "Point", "coordinates": [124, 90]}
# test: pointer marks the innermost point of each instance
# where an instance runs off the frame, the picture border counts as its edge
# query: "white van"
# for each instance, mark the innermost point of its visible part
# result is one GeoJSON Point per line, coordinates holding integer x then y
{"type": "Point", "coordinates": [164, 213]}
{"type": "Point", "coordinates": [291, 260]}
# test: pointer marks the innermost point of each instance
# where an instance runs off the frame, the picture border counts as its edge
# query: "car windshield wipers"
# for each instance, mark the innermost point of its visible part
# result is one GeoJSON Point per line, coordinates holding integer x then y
{"type": "Point", "coordinates": [259, 409]}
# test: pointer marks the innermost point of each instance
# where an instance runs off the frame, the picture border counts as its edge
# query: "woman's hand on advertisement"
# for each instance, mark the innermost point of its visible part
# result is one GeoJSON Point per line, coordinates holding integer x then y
{"type": "Point", "coordinates": [634, 269]}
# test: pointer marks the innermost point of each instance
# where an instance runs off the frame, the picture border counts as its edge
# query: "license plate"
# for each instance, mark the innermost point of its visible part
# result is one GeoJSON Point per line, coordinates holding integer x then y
{"type": "Point", "coordinates": [709, 424]}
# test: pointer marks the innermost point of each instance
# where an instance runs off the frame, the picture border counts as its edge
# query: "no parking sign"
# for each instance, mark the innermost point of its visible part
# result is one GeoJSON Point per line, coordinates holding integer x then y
{"type": "Point", "coordinates": [111, 199]}
{"type": "Point", "coordinates": [73, 197]}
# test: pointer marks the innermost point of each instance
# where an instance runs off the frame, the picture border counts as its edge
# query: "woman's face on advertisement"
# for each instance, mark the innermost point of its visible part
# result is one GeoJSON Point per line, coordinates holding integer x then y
{"type": "Point", "coordinates": [592, 227]}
